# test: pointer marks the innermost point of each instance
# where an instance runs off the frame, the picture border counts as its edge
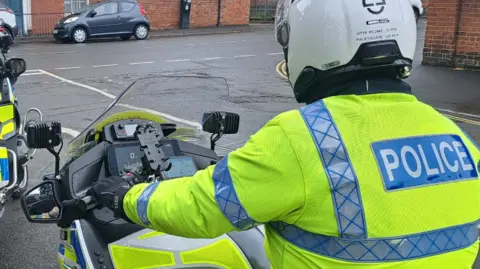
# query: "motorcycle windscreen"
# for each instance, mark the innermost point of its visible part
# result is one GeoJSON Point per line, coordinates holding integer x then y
{"type": "Point", "coordinates": [177, 99]}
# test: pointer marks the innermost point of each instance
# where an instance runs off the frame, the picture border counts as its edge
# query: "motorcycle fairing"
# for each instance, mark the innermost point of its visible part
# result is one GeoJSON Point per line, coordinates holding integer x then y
{"type": "Point", "coordinates": [150, 249]}
{"type": "Point", "coordinates": [70, 253]}
{"type": "Point", "coordinates": [84, 245]}
{"type": "Point", "coordinates": [8, 119]}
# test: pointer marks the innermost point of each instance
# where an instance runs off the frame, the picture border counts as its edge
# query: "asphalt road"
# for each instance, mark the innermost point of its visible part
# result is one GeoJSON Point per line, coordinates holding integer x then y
{"type": "Point", "coordinates": [73, 83]}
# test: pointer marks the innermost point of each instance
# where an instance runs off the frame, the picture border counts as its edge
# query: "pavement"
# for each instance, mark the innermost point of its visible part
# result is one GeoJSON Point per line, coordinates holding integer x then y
{"type": "Point", "coordinates": [73, 83]}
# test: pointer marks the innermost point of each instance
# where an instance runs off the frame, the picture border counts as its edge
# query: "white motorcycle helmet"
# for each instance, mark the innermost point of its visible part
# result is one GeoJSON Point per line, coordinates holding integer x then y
{"type": "Point", "coordinates": [330, 42]}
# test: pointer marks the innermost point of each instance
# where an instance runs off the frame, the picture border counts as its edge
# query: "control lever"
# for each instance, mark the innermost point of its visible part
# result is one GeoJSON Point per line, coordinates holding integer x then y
{"type": "Point", "coordinates": [154, 158]}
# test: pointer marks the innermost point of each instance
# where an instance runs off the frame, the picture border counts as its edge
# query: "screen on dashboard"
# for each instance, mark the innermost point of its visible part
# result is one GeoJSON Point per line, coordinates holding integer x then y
{"type": "Point", "coordinates": [128, 157]}
{"type": "Point", "coordinates": [181, 167]}
{"type": "Point", "coordinates": [132, 155]}
{"type": "Point", "coordinates": [130, 129]}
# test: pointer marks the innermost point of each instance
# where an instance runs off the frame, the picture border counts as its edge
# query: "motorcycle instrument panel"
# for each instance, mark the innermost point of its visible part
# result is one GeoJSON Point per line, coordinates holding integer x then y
{"type": "Point", "coordinates": [123, 156]}
{"type": "Point", "coordinates": [120, 157]}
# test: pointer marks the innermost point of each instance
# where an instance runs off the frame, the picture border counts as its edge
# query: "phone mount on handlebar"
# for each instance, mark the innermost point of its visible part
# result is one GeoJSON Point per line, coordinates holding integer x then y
{"type": "Point", "coordinates": [154, 159]}
{"type": "Point", "coordinates": [219, 123]}
{"type": "Point", "coordinates": [46, 135]}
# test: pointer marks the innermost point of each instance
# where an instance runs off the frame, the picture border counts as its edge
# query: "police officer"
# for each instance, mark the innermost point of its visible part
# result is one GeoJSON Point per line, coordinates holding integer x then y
{"type": "Point", "coordinates": [363, 176]}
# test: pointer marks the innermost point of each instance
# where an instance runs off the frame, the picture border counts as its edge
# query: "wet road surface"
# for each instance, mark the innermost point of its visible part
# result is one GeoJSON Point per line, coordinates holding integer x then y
{"type": "Point", "coordinates": [71, 83]}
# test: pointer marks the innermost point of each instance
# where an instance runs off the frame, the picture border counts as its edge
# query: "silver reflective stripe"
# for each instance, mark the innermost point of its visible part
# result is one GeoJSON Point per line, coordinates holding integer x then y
{"type": "Point", "coordinates": [142, 202]}
{"type": "Point", "coordinates": [339, 170]}
{"type": "Point", "coordinates": [227, 199]}
{"type": "Point", "coordinates": [381, 249]}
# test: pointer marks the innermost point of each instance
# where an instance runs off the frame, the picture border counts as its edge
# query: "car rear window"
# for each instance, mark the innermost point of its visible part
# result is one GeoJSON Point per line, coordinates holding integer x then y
{"type": "Point", "coordinates": [3, 6]}
{"type": "Point", "coordinates": [126, 6]}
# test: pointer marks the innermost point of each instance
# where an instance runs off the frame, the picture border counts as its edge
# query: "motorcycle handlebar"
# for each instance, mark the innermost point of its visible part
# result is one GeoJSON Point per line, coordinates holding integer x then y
{"type": "Point", "coordinates": [87, 203]}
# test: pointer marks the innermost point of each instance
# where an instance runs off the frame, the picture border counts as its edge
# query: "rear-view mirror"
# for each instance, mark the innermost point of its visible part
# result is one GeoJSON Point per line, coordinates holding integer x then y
{"type": "Point", "coordinates": [41, 204]}
{"type": "Point", "coordinates": [93, 13]}
{"type": "Point", "coordinates": [17, 66]}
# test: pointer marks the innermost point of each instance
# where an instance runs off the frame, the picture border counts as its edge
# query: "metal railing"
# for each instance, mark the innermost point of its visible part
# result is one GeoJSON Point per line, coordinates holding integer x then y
{"type": "Point", "coordinates": [37, 24]}
{"type": "Point", "coordinates": [262, 10]}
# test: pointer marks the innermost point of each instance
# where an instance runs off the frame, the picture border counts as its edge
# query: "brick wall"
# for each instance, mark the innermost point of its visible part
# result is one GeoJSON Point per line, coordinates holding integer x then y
{"type": "Point", "coordinates": [45, 14]}
{"type": "Point", "coordinates": [235, 12]}
{"type": "Point", "coordinates": [204, 13]}
{"type": "Point", "coordinates": [163, 14]}
{"type": "Point", "coordinates": [453, 34]}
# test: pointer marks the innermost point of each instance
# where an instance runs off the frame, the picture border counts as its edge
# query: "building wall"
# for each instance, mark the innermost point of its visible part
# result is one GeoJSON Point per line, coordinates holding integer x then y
{"type": "Point", "coordinates": [45, 14]}
{"type": "Point", "coordinates": [453, 34]}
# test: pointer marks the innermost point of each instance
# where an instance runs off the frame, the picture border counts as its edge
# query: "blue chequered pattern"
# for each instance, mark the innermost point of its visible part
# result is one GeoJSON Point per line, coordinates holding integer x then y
{"type": "Point", "coordinates": [4, 170]}
{"type": "Point", "coordinates": [142, 202]}
{"type": "Point", "coordinates": [75, 243]}
{"type": "Point", "coordinates": [227, 199]}
{"type": "Point", "coordinates": [338, 168]}
{"type": "Point", "coordinates": [382, 249]}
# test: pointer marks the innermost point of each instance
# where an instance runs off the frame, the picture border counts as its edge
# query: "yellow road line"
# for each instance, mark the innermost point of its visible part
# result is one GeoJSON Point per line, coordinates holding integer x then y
{"type": "Point", "coordinates": [280, 68]}
{"type": "Point", "coordinates": [282, 72]}
{"type": "Point", "coordinates": [473, 122]}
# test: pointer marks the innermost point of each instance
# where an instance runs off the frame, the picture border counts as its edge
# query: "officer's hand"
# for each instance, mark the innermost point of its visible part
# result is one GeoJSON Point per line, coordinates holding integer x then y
{"type": "Point", "coordinates": [110, 192]}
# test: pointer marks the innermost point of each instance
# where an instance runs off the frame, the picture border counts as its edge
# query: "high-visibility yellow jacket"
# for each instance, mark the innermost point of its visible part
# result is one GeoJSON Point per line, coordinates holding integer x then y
{"type": "Point", "coordinates": [354, 181]}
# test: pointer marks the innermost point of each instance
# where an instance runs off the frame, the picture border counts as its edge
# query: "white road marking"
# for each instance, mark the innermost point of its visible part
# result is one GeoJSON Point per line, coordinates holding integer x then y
{"type": "Point", "coordinates": [111, 96]}
{"type": "Point", "coordinates": [243, 56]}
{"type": "Point", "coordinates": [226, 42]}
{"type": "Point", "coordinates": [60, 52]}
{"type": "Point", "coordinates": [70, 132]}
{"type": "Point", "coordinates": [211, 58]}
{"type": "Point", "coordinates": [190, 44]}
{"type": "Point", "coordinates": [48, 53]}
{"type": "Point", "coordinates": [179, 60]}
{"type": "Point", "coordinates": [172, 61]}
{"type": "Point", "coordinates": [66, 68]}
{"type": "Point", "coordinates": [141, 63]}
{"type": "Point", "coordinates": [104, 65]}
{"type": "Point", "coordinates": [31, 74]}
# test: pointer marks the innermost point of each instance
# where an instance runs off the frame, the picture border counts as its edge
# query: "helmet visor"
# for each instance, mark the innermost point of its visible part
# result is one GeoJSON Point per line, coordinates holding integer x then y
{"type": "Point", "coordinates": [282, 28]}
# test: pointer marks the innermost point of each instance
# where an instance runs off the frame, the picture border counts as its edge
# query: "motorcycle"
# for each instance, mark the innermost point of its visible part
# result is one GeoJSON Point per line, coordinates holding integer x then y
{"type": "Point", "coordinates": [131, 137]}
{"type": "Point", "coordinates": [14, 152]}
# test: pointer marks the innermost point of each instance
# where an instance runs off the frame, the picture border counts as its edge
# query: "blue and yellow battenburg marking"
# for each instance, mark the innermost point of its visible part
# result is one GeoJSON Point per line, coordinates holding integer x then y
{"type": "Point", "coordinates": [70, 254]}
{"type": "Point", "coordinates": [4, 169]}
{"type": "Point", "coordinates": [425, 160]}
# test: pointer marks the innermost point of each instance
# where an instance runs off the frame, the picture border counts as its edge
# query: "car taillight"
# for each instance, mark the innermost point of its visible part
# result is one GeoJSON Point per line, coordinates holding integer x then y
{"type": "Point", "coordinates": [142, 10]}
{"type": "Point", "coordinates": [10, 11]}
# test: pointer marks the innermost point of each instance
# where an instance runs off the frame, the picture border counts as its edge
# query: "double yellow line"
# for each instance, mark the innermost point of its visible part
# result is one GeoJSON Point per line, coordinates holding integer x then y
{"type": "Point", "coordinates": [281, 69]}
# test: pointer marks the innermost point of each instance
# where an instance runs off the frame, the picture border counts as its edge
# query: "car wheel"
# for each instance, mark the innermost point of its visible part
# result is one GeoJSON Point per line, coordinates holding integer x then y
{"type": "Point", "coordinates": [141, 32]}
{"type": "Point", "coordinates": [125, 37]}
{"type": "Point", "coordinates": [79, 35]}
